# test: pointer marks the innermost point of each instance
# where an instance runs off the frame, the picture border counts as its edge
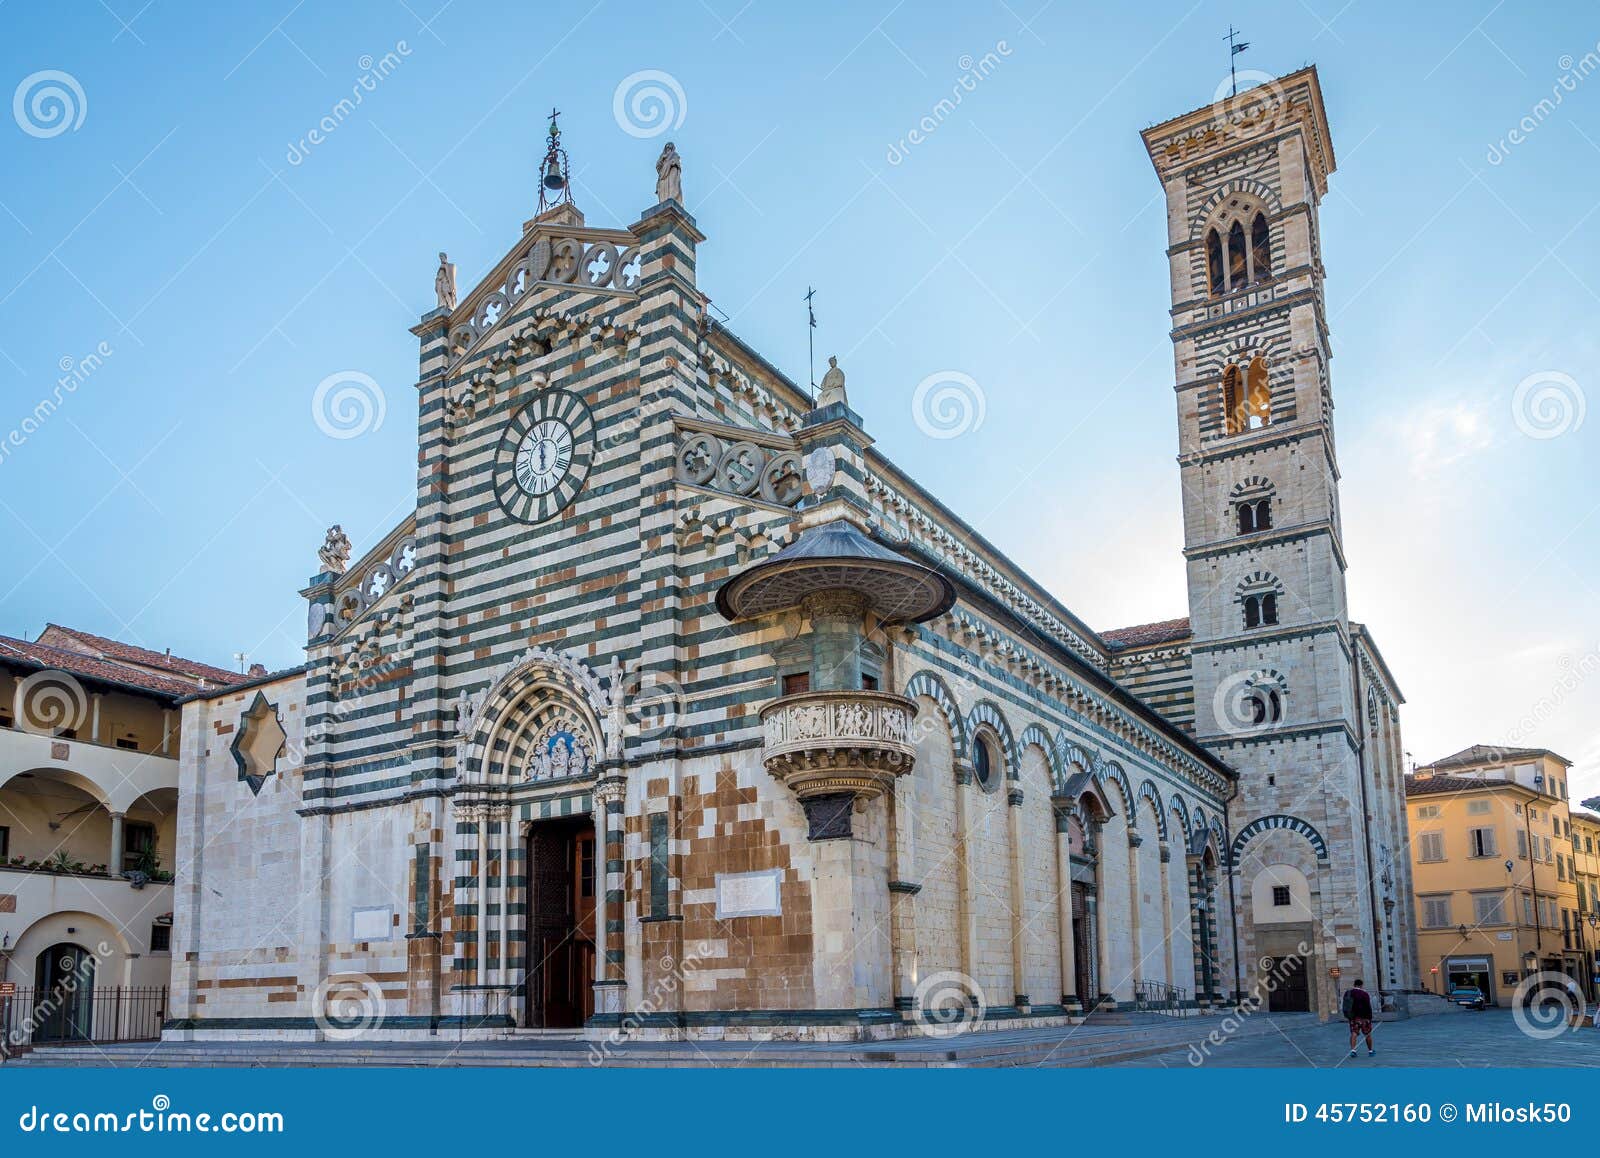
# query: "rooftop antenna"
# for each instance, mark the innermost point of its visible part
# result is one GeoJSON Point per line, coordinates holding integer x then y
{"type": "Point", "coordinates": [811, 342]}
{"type": "Point", "coordinates": [555, 185]}
{"type": "Point", "coordinates": [239, 657]}
{"type": "Point", "coordinates": [1233, 51]}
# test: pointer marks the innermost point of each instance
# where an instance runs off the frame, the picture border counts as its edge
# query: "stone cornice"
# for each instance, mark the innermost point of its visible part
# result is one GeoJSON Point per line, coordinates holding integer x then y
{"type": "Point", "coordinates": [1275, 537]}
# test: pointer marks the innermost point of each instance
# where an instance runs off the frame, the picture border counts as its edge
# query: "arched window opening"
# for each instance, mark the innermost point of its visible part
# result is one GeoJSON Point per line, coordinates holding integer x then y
{"type": "Point", "coordinates": [983, 762]}
{"type": "Point", "coordinates": [1258, 396]}
{"type": "Point", "coordinates": [1253, 515]}
{"type": "Point", "coordinates": [1266, 706]}
{"type": "Point", "coordinates": [1214, 266]}
{"type": "Point", "coordinates": [1233, 410]}
{"type": "Point", "coordinates": [1238, 270]}
{"type": "Point", "coordinates": [1260, 249]}
{"type": "Point", "coordinates": [1261, 610]}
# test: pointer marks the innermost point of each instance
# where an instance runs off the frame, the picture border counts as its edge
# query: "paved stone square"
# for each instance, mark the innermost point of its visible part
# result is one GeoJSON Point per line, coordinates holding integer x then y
{"type": "Point", "coordinates": [1484, 1039]}
{"type": "Point", "coordinates": [1489, 1038]}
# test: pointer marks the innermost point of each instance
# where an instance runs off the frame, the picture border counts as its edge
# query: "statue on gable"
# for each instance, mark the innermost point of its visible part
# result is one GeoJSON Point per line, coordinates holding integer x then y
{"type": "Point", "coordinates": [335, 551]}
{"type": "Point", "coordinates": [444, 283]}
{"type": "Point", "coordinates": [669, 175]}
{"type": "Point", "coordinates": [832, 385]}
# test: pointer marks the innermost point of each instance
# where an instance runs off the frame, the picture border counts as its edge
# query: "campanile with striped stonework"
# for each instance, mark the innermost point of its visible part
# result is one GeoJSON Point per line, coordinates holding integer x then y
{"type": "Point", "coordinates": [1277, 666]}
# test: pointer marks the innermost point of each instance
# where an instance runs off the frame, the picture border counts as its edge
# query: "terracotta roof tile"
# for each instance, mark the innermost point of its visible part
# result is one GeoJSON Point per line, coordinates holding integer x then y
{"type": "Point", "coordinates": [129, 653]}
{"type": "Point", "coordinates": [1433, 785]}
{"type": "Point", "coordinates": [1146, 634]}
{"type": "Point", "coordinates": [1492, 754]}
{"type": "Point", "coordinates": [76, 663]}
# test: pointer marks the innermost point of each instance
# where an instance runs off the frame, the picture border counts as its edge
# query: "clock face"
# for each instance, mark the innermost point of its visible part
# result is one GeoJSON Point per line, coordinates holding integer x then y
{"type": "Point", "coordinates": [544, 456]}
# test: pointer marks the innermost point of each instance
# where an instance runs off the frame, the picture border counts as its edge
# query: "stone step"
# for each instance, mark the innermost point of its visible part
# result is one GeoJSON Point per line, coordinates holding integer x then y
{"type": "Point", "coordinates": [1080, 1046]}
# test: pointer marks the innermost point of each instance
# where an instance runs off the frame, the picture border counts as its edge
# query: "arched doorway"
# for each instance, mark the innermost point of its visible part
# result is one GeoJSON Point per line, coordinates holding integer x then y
{"type": "Point", "coordinates": [63, 1008]}
{"type": "Point", "coordinates": [560, 928]}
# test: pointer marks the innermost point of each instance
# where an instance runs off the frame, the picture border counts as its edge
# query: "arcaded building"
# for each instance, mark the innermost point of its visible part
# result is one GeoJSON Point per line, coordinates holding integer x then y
{"type": "Point", "coordinates": [675, 707]}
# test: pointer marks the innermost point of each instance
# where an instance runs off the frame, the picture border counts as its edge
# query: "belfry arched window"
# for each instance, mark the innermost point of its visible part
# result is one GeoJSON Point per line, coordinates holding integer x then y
{"type": "Point", "coordinates": [1246, 397]}
{"type": "Point", "coordinates": [1256, 516]}
{"type": "Point", "coordinates": [1238, 260]}
{"type": "Point", "coordinates": [1261, 610]}
{"type": "Point", "coordinates": [1238, 249]}
{"type": "Point", "coordinates": [1260, 249]}
{"type": "Point", "coordinates": [1215, 278]}
{"type": "Point", "coordinates": [1258, 395]}
{"type": "Point", "coordinates": [1266, 706]}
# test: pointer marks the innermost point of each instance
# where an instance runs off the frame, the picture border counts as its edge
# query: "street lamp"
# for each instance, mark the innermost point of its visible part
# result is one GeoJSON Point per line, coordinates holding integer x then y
{"type": "Point", "coordinates": [1461, 931]}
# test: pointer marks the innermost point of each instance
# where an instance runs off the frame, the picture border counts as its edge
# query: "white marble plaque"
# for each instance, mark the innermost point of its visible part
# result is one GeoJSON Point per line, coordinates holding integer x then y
{"type": "Point", "coordinates": [750, 894]}
{"type": "Point", "coordinates": [371, 924]}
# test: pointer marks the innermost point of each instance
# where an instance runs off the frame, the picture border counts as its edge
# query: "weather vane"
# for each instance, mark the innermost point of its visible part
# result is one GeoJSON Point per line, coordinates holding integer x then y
{"type": "Point", "coordinates": [1233, 51]}
{"type": "Point", "coordinates": [555, 185]}
{"type": "Point", "coordinates": [811, 340]}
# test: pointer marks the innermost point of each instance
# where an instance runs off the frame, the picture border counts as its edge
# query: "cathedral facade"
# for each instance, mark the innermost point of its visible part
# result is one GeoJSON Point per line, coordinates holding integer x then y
{"type": "Point", "coordinates": [675, 707]}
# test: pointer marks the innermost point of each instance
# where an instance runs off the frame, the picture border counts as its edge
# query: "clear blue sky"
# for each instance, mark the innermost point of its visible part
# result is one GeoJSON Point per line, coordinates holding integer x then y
{"type": "Point", "coordinates": [177, 496]}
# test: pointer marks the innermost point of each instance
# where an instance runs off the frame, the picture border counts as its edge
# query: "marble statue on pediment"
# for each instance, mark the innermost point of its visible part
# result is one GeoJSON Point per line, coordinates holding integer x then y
{"type": "Point", "coordinates": [832, 385]}
{"type": "Point", "coordinates": [669, 175]}
{"type": "Point", "coordinates": [444, 283]}
{"type": "Point", "coordinates": [335, 551]}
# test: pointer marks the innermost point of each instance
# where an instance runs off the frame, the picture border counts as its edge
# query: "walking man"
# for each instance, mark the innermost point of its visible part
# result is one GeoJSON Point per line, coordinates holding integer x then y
{"type": "Point", "coordinates": [1357, 1010]}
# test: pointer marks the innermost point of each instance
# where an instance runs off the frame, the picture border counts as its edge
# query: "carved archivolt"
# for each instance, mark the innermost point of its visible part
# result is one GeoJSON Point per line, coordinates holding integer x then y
{"type": "Point", "coordinates": [528, 701]}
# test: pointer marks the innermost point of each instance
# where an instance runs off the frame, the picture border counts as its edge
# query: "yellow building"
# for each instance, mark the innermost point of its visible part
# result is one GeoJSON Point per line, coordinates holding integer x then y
{"type": "Point", "coordinates": [1496, 864]}
{"type": "Point", "coordinates": [1586, 857]}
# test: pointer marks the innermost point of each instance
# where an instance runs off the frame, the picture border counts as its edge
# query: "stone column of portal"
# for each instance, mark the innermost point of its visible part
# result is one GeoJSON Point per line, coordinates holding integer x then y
{"type": "Point", "coordinates": [1166, 911]}
{"type": "Point", "coordinates": [502, 972]}
{"type": "Point", "coordinates": [1069, 961]}
{"type": "Point", "coordinates": [1136, 955]}
{"type": "Point", "coordinates": [610, 986]}
{"type": "Point", "coordinates": [1019, 983]}
{"type": "Point", "coordinates": [114, 865]}
{"type": "Point", "coordinates": [480, 817]}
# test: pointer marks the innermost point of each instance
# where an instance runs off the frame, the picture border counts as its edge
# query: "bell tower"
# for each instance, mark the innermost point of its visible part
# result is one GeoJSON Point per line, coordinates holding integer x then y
{"type": "Point", "coordinates": [1273, 657]}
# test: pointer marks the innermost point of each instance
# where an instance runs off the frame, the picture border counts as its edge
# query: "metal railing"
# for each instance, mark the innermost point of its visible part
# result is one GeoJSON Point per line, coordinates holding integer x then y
{"type": "Point", "coordinates": [66, 1015]}
{"type": "Point", "coordinates": [1159, 997]}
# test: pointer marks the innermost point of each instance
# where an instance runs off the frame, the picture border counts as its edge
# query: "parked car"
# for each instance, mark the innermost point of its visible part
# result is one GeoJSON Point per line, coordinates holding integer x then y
{"type": "Point", "coordinates": [1468, 997]}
